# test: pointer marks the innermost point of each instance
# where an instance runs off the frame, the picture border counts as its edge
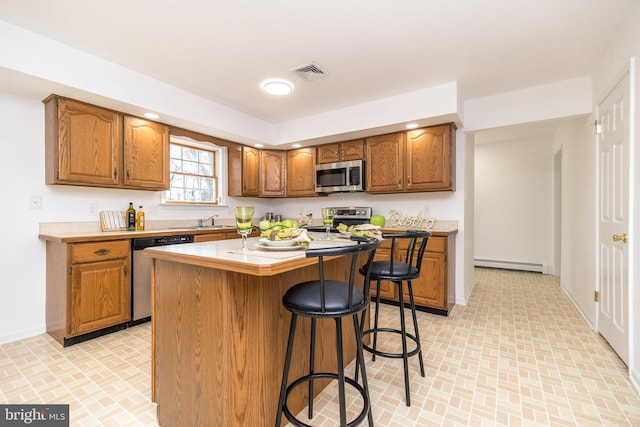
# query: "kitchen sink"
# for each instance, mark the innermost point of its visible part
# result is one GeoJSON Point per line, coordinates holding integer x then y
{"type": "Point", "coordinates": [202, 227]}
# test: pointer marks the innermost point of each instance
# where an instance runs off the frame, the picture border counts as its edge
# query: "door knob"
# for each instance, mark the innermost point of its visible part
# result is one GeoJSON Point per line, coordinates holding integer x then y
{"type": "Point", "coordinates": [618, 237]}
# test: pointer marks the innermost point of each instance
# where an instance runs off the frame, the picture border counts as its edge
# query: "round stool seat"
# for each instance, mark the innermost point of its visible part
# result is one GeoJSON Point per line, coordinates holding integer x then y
{"type": "Point", "coordinates": [396, 271]}
{"type": "Point", "coordinates": [304, 298]}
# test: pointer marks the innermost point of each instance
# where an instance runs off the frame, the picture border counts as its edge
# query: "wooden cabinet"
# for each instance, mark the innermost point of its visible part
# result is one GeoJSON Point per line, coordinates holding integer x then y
{"type": "Point", "coordinates": [434, 290]}
{"type": "Point", "coordinates": [250, 171]}
{"type": "Point", "coordinates": [417, 160]}
{"type": "Point", "coordinates": [88, 288]}
{"type": "Point", "coordinates": [146, 154]}
{"type": "Point", "coordinates": [341, 151]}
{"type": "Point", "coordinates": [301, 172]}
{"type": "Point", "coordinates": [211, 237]}
{"type": "Point", "coordinates": [273, 171]}
{"type": "Point", "coordinates": [83, 144]}
{"type": "Point", "coordinates": [92, 146]}
{"type": "Point", "coordinates": [385, 163]}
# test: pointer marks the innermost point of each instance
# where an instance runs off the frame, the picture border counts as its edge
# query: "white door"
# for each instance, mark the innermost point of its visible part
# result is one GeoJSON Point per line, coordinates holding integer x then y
{"type": "Point", "coordinates": [613, 218]}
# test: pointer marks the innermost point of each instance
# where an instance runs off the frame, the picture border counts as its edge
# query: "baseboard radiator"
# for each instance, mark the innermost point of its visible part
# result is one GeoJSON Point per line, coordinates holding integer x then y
{"type": "Point", "coordinates": [510, 265]}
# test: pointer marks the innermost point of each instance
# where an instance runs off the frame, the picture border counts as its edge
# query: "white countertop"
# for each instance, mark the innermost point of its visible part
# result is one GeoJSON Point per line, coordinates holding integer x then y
{"type": "Point", "coordinates": [225, 254]}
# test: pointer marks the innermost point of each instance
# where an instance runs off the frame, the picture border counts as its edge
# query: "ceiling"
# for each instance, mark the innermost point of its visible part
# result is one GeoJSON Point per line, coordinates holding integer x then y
{"type": "Point", "coordinates": [223, 49]}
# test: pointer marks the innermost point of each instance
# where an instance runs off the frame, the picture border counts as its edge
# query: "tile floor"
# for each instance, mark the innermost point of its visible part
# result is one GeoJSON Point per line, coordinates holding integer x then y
{"type": "Point", "coordinates": [518, 354]}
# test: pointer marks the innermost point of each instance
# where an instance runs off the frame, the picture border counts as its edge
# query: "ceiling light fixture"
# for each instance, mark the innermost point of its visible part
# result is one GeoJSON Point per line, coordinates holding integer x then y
{"type": "Point", "coordinates": [152, 116]}
{"type": "Point", "coordinates": [411, 125]}
{"type": "Point", "coordinates": [277, 87]}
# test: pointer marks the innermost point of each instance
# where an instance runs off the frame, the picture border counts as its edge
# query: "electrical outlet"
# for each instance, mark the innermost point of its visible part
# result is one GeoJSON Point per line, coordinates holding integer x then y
{"type": "Point", "coordinates": [35, 202]}
{"type": "Point", "coordinates": [427, 211]}
{"type": "Point", "coordinates": [92, 209]}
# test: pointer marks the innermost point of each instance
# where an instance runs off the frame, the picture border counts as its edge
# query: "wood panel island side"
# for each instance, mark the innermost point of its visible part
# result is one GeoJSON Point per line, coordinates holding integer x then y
{"type": "Point", "coordinates": [219, 332]}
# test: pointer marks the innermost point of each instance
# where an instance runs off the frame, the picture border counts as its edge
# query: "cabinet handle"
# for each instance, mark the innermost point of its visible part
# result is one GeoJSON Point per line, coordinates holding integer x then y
{"type": "Point", "coordinates": [102, 251]}
{"type": "Point", "coordinates": [617, 237]}
{"type": "Point", "coordinates": [408, 180]}
{"type": "Point", "coordinates": [115, 173]}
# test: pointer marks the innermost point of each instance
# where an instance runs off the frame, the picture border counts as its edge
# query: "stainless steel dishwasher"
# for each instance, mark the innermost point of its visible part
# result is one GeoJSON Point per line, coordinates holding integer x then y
{"type": "Point", "coordinates": [141, 286]}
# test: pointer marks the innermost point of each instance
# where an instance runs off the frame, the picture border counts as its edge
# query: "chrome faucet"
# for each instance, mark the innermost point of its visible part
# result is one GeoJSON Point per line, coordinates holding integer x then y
{"type": "Point", "coordinates": [201, 222]}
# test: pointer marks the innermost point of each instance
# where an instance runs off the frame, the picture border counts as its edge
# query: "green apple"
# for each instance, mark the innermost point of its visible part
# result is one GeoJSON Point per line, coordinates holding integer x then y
{"type": "Point", "coordinates": [265, 224]}
{"type": "Point", "coordinates": [289, 223]}
{"type": "Point", "coordinates": [378, 220]}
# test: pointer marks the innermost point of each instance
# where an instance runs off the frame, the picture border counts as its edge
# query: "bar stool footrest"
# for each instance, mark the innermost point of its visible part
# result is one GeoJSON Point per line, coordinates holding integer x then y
{"type": "Point", "coordinates": [413, 352]}
{"type": "Point", "coordinates": [331, 375]}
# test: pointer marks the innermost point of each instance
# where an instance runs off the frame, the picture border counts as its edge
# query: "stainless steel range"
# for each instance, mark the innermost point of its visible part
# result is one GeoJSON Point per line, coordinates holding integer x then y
{"type": "Point", "coordinates": [349, 215]}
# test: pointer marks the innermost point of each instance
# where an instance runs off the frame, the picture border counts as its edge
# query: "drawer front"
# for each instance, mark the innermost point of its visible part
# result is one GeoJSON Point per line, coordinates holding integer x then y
{"type": "Point", "coordinates": [436, 244]}
{"type": "Point", "coordinates": [99, 251]}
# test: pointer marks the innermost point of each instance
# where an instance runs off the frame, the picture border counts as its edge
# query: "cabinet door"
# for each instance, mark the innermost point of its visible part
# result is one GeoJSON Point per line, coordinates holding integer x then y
{"type": "Point", "coordinates": [84, 143]}
{"type": "Point", "coordinates": [301, 172]}
{"type": "Point", "coordinates": [272, 173]}
{"type": "Point", "coordinates": [352, 150]}
{"type": "Point", "coordinates": [384, 168]}
{"type": "Point", "coordinates": [428, 163]}
{"type": "Point", "coordinates": [146, 153]}
{"type": "Point", "coordinates": [430, 289]}
{"type": "Point", "coordinates": [250, 171]}
{"type": "Point", "coordinates": [328, 153]}
{"type": "Point", "coordinates": [209, 237]}
{"type": "Point", "coordinates": [234, 171]}
{"type": "Point", "coordinates": [100, 296]}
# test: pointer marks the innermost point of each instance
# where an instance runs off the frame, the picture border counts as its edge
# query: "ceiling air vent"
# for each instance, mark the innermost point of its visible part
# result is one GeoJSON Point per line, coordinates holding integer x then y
{"type": "Point", "coordinates": [311, 71]}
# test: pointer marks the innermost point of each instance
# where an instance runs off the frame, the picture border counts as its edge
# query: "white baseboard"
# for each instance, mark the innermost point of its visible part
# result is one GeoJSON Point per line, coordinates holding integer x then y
{"type": "Point", "coordinates": [510, 265]}
{"type": "Point", "coordinates": [634, 376]}
{"type": "Point", "coordinates": [20, 335]}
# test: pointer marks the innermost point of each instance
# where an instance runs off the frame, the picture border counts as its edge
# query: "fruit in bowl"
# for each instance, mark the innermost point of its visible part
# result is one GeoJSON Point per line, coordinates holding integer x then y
{"type": "Point", "coordinates": [297, 235]}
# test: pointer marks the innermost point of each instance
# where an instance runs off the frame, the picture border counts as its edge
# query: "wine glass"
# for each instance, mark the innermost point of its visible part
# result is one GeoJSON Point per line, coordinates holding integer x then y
{"type": "Point", "coordinates": [327, 220]}
{"type": "Point", "coordinates": [244, 223]}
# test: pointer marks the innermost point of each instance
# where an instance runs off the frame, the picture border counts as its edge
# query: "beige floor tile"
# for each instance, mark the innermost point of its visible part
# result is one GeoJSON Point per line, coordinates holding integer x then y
{"type": "Point", "coordinates": [519, 354]}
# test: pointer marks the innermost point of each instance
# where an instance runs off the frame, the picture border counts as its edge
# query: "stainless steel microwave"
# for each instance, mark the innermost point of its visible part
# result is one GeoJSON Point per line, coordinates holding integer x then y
{"type": "Point", "coordinates": [340, 177]}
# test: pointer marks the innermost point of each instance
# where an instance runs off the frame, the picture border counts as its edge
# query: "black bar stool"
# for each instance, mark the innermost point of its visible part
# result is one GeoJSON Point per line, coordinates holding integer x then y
{"type": "Point", "coordinates": [399, 271]}
{"type": "Point", "coordinates": [329, 298]}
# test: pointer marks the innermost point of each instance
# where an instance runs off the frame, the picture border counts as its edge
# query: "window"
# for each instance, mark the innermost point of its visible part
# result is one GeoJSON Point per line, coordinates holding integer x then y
{"type": "Point", "coordinates": [193, 174]}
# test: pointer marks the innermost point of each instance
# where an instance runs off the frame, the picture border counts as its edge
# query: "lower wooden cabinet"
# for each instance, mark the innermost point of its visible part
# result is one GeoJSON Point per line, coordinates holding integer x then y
{"type": "Point", "coordinates": [88, 288]}
{"type": "Point", "coordinates": [212, 237]}
{"type": "Point", "coordinates": [434, 290]}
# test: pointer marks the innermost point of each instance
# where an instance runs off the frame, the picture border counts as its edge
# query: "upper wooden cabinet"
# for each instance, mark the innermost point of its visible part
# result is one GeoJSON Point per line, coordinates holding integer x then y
{"type": "Point", "coordinates": [83, 143]}
{"type": "Point", "coordinates": [273, 172]}
{"type": "Point", "coordinates": [301, 172]}
{"type": "Point", "coordinates": [341, 151]}
{"type": "Point", "coordinates": [261, 173]}
{"type": "Point", "coordinates": [94, 146]}
{"type": "Point", "coordinates": [146, 154]}
{"type": "Point", "coordinates": [417, 160]}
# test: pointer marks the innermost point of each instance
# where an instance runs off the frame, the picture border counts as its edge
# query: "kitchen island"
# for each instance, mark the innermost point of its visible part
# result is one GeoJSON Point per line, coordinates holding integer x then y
{"type": "Point", "coordinates": [219, 331]}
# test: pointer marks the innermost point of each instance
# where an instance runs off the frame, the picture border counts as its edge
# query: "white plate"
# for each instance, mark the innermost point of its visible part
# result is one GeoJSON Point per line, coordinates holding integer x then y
{"type": "Point", "coordinates": [344, 234]}
{"type": "Point", "coordinates": [263, 247]}
{"type": "Point", "coordinates": [268, 242]}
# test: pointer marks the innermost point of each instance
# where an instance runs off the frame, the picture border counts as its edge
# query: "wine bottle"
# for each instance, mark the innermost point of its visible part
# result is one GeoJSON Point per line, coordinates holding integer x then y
{"type": "Point", "coordinates": [140, 219]}
{"type": "Point", "coordinates": [131, 218]}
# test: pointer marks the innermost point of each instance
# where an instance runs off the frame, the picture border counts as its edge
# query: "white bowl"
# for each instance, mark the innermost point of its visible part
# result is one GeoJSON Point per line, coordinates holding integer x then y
{"type": "Point", "coordinates": [278, 242]}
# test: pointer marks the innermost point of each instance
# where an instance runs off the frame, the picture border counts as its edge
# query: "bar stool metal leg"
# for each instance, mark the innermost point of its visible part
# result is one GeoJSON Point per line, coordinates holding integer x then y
{"type": "Point", "coordinates": [285, 373]}
{"type": "Point", "coordinates": [312, 359]}
{"type": "Point", "coordinates": [415, 327]}
{"type": "Point", "coordinates": [403, 334]}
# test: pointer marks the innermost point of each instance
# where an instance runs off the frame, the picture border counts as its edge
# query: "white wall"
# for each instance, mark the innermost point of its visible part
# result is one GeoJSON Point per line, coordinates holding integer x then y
{"type": "Point", "coordinates": [514, 204]}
